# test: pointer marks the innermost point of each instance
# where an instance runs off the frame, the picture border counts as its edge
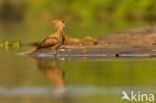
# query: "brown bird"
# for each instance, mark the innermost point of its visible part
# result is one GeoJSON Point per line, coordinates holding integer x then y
{"type": "Point", "coordinates": [54, 41]}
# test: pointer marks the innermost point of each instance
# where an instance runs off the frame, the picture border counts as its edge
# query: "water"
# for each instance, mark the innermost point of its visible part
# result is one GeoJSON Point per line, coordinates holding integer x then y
{"type": "Point", "coordinates": [24, 79]}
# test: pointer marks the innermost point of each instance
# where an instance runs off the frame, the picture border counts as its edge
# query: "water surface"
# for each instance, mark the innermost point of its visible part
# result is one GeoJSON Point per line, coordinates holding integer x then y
{"type": "Point", "coordinates": [24, 79]}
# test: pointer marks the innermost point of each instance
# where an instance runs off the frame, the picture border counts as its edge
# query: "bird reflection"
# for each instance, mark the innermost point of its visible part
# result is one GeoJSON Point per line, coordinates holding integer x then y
{"type": "Point", "coordinates": [51, 69]}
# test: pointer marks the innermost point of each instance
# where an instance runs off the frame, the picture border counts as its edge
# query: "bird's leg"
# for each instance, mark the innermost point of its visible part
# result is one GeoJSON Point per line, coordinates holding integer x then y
{"type": "Point", "coordinates": [54, 52]}
{"type": "Point", "coordinates": [55, 48]}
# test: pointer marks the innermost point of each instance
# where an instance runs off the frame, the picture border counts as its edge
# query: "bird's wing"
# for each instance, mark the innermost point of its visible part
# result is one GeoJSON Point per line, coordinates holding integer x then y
{"type": "Point", "coordinates": [48, 42]}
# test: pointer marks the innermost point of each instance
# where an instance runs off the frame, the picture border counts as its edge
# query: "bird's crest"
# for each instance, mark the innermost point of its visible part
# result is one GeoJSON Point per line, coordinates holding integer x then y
{"type": "Point", "coordinates": [58, 24]}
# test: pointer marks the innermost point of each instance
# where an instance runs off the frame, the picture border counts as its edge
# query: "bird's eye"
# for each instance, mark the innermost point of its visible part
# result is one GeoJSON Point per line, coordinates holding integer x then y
{"type": "Point", "coordinates": [63, 21]}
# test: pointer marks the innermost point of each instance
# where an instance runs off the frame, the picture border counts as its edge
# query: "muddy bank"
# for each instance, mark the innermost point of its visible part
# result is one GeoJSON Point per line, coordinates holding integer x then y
{"type": "Point", "coordinates": [134, 38]}
{"type": "Point", "coordinates": [139, 42]}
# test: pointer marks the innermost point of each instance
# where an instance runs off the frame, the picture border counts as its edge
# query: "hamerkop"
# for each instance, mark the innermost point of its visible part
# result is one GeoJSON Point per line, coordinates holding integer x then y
{"type": "Point", "coordinates": [53, 41]}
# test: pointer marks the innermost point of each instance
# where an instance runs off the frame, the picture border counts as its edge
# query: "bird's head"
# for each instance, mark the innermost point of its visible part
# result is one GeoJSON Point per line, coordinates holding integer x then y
{"type": "Point", "coordinates": [58, 24]}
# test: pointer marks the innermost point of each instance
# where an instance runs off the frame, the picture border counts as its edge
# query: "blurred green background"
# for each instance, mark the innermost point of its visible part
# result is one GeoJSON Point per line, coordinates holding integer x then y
{"type": "Point", "coordinates": [30, 20]}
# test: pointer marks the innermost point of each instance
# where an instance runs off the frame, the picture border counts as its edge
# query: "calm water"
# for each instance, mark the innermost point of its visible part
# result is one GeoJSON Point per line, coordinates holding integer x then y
{"type": "Point", "coordinates": [28, 80]}
{"type": "Point", "coordinates": [24, 79]}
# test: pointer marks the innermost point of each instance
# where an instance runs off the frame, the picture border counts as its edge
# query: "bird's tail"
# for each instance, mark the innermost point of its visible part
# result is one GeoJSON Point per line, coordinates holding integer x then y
{"type": "Point", "coordinates": [27, 52]}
